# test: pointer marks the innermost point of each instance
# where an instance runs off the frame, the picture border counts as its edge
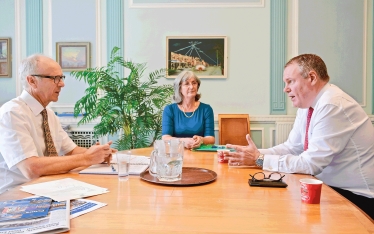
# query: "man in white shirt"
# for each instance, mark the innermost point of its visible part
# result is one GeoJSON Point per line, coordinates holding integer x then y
{"type": "Point", "coordinates": [338, 146]}
{"type": "Point", "coordinates": [23, 151]}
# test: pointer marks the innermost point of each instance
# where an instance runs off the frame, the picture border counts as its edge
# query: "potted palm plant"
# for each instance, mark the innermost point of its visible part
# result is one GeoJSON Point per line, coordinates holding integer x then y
{"type": "Point", "coordinates": [126, 105]}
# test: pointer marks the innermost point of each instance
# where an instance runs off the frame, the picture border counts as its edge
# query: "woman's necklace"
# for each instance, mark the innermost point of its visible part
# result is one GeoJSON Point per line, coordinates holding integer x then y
{"type": "Point", "coordinates": [192, 112]}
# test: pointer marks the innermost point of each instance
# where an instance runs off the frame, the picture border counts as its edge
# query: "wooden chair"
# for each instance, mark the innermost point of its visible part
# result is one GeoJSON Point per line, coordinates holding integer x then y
{"type": "Point", "coordinates": [233, 128]}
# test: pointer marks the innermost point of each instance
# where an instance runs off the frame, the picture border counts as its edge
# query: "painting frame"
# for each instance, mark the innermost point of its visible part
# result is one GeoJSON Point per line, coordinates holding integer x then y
{"type": "Point", "coordinates": [5, 57]}
{"type": "Point", "coordinates": [73, 56]}
{"type": "Point", "coordinates": [206, 56]}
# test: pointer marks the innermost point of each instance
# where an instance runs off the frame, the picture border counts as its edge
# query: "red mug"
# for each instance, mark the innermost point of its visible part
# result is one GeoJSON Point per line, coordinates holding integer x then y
{"type": "Point", "coordinates": [310, 191]}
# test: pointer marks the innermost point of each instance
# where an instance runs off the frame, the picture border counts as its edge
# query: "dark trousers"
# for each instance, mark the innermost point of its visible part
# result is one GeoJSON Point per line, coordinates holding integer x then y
{"type": "Point", "coordinates": [364, 203]}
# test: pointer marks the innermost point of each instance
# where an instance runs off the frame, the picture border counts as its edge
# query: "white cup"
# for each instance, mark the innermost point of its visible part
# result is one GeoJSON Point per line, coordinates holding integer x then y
{"type": "Point", "coordinates": [123, 162]}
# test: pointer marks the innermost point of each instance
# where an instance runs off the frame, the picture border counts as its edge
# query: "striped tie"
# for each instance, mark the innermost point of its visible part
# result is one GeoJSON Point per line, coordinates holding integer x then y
{"type": "Point", "coordinates": [50, 146]}
{"type": "Point", "coordinates": [310, 112]}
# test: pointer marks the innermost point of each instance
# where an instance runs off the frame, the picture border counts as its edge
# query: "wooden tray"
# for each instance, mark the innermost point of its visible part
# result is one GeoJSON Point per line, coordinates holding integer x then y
{"type": "Point", "coordinates": [190, 176]}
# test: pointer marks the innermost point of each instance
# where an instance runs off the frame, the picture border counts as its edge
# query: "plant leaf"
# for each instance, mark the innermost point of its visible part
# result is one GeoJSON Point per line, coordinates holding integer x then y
{"type": "Point", "coordinates": [128, 106]}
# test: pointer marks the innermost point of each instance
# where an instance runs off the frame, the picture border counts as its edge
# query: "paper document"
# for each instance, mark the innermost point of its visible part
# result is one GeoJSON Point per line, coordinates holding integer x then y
{"type": "Point", "coordinates": [135, 159]}
{"type": "Point", "coordinates": [64, 189]}
{"type": "Point", "coordinates": [138, 164]}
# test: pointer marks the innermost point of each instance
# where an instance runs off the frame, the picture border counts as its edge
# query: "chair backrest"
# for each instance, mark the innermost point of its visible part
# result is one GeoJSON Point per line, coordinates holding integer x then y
{"type": "Point", "coordinates": [233, 128]}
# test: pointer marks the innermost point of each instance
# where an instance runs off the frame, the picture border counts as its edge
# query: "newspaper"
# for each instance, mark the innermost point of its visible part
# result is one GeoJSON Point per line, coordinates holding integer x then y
{"type": "Point", "coordinates": [56, 221]}
{"type": "Point", "coordinates": [83, 206]}
{"type": "Point", "coordinates": [29, 208]}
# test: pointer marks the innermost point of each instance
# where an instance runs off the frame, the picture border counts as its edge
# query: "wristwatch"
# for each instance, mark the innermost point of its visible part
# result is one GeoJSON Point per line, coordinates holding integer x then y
{"type": "Point", "coordinates": [260, 161]}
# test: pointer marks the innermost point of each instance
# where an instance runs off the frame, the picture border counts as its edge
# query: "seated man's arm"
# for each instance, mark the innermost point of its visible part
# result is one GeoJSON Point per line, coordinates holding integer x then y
{"type": "Point", "coordinates": [77, 150]}
{"type": "Point", "coordinates": [81, 150]}
{"type": "Point", "coordinates": [34, 167]}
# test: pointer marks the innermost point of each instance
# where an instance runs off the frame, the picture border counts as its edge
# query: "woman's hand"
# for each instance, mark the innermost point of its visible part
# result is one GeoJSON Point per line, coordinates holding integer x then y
{"type": "Point", "coordinates": [188, 142]}
{"type": "Point", "coordinates": [198, 141]}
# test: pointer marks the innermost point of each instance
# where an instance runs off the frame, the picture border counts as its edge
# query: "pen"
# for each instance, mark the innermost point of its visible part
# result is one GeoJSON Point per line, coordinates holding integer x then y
{"type": "Point", "coordinates": [113, 169]}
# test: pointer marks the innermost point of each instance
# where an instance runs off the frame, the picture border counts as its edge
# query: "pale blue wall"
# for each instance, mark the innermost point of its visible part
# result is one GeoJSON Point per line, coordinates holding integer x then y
{"type": "Point", "coordinates": [73, 21]}
{"type": "Point", "coordinates": [7, 85]}
{"type": "Point", "coordinates": [336, 34]}
{"type": "Point", "coordinates": [335, 29]}
{"type": "Point", "coordinates": [246, 90]}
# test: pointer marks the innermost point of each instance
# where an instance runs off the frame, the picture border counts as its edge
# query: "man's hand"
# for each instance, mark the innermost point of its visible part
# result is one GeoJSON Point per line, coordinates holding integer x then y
{"type": "Point", "coordinates": [99, 153]}
{"type": "Point", "coordinates": [109, 158]}
{"type": "Point", "coordinates": [243, 155]}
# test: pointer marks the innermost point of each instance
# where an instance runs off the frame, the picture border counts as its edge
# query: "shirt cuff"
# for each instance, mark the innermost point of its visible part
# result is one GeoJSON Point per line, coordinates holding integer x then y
{"type": "Point", "coordinates": [271, 162]}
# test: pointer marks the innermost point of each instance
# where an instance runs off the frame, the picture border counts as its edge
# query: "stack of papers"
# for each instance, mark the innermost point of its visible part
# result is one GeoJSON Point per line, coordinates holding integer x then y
{"type": "Point", "coordinates": [64, 189]}
{"type": "Point", "coordinates": [138, 164]}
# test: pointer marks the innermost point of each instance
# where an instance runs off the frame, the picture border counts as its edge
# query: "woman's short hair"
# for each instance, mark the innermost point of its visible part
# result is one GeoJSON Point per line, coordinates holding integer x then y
{"type": "Point", "coordinates": [308, 62]}
{"type": "Point", "coordinates": [182, 77]}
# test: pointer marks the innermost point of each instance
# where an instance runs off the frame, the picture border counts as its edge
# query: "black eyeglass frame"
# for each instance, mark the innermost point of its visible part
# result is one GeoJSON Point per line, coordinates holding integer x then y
{"type": "Point", "coordinates": [52, 77]}
{"type": "Point", "coordinates": [267, 178]}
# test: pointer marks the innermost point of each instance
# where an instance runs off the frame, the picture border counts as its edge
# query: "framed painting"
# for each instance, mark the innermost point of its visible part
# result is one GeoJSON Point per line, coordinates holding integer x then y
{"type": "Point", "coordinates": [73, 56]}
{"type": "Point", "coordinates": [5, 58]}
{"type": "Point", "coordinates": [206, 56]}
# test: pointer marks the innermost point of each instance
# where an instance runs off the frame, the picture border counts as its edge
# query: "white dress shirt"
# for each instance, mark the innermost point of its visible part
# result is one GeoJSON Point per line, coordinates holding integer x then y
{"type": "Point", "coordinates": [21, 137]}
{"type": "Point", "coordinates": [341, 144]}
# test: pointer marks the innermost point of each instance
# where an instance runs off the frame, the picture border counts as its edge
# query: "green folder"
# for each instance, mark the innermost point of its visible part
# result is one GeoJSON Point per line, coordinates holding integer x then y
{"type": "Point", "coordinates": [211, 148]}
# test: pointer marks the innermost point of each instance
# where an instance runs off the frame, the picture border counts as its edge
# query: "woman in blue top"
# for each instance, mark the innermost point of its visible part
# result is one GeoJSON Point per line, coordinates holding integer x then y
{"type": "Point", "coordinates": [188, 119]}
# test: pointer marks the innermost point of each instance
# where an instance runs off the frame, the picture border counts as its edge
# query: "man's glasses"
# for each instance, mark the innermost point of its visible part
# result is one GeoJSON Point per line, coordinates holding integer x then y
{"type": "Point", "coordinates": [56, 79]}
{"type": "Point", "coordinates": [260, 176]}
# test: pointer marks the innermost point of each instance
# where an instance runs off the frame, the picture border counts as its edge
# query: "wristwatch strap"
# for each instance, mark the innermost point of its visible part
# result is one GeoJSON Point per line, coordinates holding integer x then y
{"type": "Point", "coordinates": [260, 161]}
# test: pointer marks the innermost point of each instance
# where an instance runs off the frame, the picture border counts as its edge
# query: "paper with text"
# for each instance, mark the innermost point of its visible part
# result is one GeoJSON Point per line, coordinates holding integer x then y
{"type": "Point", "coordinates": [64, 189]}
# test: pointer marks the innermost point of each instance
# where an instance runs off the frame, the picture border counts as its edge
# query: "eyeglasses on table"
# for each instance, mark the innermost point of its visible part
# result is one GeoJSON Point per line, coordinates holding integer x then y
{"type": "Point", "coordinates": [260, 176]}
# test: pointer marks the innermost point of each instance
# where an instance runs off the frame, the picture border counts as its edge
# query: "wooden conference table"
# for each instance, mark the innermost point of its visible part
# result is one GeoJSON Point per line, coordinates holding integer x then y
{"type": "Point", "coordinates": [226, 205]}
